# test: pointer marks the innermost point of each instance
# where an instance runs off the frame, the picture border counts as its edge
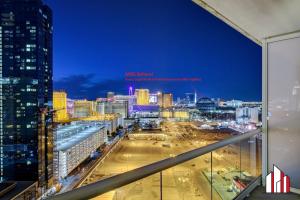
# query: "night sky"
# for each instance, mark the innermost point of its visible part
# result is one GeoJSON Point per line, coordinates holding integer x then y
{"type": "Point", "coordinates": [96, 42]}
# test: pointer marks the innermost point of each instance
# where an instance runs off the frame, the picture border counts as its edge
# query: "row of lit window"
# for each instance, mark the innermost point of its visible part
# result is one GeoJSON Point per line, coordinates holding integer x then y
{"type": "Point", "coordinates": [29, 90]}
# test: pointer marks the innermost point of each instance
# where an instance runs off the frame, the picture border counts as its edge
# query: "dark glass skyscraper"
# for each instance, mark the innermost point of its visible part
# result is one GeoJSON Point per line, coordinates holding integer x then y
{"type": "Point", "coordinates": [25, 91]}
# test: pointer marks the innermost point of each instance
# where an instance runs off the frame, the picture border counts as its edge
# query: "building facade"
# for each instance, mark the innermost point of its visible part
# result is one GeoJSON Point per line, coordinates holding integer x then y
{"type": "Point", "coordinates": [190, 98]}
{"type": "Point", "coordinates": [247, 114]}
{"type": "Point", "coordinates": [26, 91]}
{"type": "Point", "coordinates": [234, 103]}
{"type": "Point", "coordinates": [120, 107]}
{"type": "Point", "coordinates": [75, 143]}
{"type": "Point", "coordinates": [153, 98]}
{"type": "Point", "coordinates": [130, 100]}
{"type": "Point", "coordinates": [160, 99]}
{"type": "Point", "coordinates": [108, 107]}
{"type": "Point", "coordinates": [167, 100]}
{"type": "Point", "coordinates": [83, 108]}
{"type": "Point", "coordinates": [60, 106]}
{"type": "Point", "coordinates": [142, 96]}
{"type": "Point", "coordinates": [205, 104]}
{"type": "Point", "coordinates": [178, 114]}
{"type": "Point", "coordinates": [110, 95]}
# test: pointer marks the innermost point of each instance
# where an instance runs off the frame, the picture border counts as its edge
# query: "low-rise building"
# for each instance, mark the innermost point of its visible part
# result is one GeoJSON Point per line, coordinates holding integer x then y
{"type": "Point", "coordinates": [178, 114]}
{"type": "Point", "coordinates": [142, 111]}
{"type": "Point", "coordinates": [83, 108]}
{"type": "Point", "coordinates": [181, 114]}
{"type": "Point", "coordinates": [76, 142]}
{"type": "Point", "coordinates": [206, 105]}
{"type": "Point", "coordinates": [247, 114]}
{"type": "Point", "coordinates": [234, 103]}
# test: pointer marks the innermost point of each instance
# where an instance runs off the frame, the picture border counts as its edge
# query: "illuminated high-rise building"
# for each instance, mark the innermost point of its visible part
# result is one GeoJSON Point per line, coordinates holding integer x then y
{"type": "Point", "coordinates": [142, 96]}
{"type": "Point", "coordinates": [159, 99]}
{"type": "Point", "coordinates": [130, 91]}
{"type": "Point", "coordinates": [100, 107]}
{"type": "Point", "coordinates": [190, 98]}
{"type": "Point", "coordinates": [60, 106]}
{"type": "Point", "coordinates": [129, 99]}
{"type": "Point", "coordinates": [153, 98]}
{"type": "Point", "coordinates": [120, 107]}
{"type": "Point", "coordinates": [70, 107]}
{"type": "Point", "coordinates": [26, 137]}
{"type": "Point", "coordinates": [167, 100]}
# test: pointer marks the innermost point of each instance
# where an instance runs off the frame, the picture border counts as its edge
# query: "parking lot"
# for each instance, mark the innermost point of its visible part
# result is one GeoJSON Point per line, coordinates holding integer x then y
{"type": "Point", "coordinates": [185, 181]}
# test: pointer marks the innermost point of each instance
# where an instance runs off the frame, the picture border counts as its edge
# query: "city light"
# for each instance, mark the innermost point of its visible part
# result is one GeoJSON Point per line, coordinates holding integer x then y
{"type": "Point", "coordinates": [190, 117]}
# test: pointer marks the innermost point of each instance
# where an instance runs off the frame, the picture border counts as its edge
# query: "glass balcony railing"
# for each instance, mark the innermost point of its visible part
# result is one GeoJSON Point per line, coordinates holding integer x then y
{"type": "Point", "coordinates": [222, 170]}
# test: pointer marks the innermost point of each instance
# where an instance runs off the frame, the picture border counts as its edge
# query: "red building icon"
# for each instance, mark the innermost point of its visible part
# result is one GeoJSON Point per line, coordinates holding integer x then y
{"type": "Point", "coordinates": [277, 182]}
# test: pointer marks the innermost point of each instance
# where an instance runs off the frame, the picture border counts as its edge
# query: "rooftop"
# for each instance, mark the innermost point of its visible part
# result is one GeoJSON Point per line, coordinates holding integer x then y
{"type": "Point", "coordinates": [79, 133]}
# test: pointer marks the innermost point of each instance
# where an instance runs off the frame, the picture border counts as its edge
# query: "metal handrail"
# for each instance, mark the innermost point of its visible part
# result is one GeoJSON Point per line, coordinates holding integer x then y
{"type": "Point", "coordinates": [108, 184]}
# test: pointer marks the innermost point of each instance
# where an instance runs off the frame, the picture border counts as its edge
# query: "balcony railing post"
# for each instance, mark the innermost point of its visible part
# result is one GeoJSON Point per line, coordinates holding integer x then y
{"type": "Point", "coordinates": [211, 168]}
{"type": "Point", "coordinates": [240, 159]}
{"type": "Point", "coordinates": [161, 186]}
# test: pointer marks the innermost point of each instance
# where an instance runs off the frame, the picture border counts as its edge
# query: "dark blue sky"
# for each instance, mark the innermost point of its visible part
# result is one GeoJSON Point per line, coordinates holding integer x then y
{"type": "Point", "coordinates": [97, 41]}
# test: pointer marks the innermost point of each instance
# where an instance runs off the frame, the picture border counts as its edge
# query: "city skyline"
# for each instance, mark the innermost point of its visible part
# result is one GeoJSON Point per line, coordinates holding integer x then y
{"type": "Point", "coordinates": [101, 51]}
{"type": "Point", "coordinates": [153, 92]}
{"type": "Point", "coordinates": [145, 99]}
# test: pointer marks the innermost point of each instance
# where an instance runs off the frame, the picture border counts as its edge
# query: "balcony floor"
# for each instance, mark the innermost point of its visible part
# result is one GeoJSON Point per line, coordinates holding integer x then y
{"type": "Point", "coordinates": [260, 194]}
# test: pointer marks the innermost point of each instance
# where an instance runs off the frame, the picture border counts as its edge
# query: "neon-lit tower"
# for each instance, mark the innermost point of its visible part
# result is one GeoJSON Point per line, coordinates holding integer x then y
{"type": "Point", "coordinates": [130, 91]}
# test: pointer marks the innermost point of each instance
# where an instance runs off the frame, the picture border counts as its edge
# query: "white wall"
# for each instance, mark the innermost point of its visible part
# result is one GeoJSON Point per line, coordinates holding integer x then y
{"type": "Point", "coordinates": [283, 98]}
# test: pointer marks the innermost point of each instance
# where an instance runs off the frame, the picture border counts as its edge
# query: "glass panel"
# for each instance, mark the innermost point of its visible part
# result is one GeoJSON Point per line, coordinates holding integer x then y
{"type": "Point", "coordinates": [221, 174]}
{"type": "Point", "coordinates": [190, 180]}
{"type": "Point", "coordinates": [251, 158]}
{"type": "Point", "coordinates": [144, 189]}
{"type": "Point", "coordinates": [284, 107]}
{"type": "Point", "coordinates": [226, 173]}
